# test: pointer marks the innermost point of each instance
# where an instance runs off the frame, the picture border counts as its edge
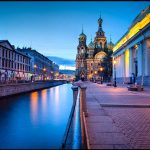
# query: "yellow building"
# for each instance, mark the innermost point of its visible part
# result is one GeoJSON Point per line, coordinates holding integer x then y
{"type": "Point", "coordinates": [132, 51]}
{"type": "Point", "coordinates": [89, 58]}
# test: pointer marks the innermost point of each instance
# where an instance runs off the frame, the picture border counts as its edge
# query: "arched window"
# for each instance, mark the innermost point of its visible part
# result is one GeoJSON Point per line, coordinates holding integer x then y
{"type": "Point", "coordinates": [100, 45]}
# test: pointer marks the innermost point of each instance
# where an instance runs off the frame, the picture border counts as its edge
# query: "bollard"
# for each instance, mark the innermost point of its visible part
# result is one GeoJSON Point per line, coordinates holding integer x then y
{"type": "Point", "coordinates": [83, 99]}
{"type": "Point", "coordinates": [75, 93]}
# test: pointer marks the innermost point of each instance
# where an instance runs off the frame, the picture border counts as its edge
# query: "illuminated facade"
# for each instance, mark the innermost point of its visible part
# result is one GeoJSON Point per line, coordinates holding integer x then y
{"type": "Point", "coordinates": [132, 51]}
{"type": "Point", "coordinates": [89, 58]}
{"type": "Point", "coordinates": [41, 66]}
{"type": "Point", "coordinates": [14, 66]}
{"type": "Point", "coordinates": [55, 71]}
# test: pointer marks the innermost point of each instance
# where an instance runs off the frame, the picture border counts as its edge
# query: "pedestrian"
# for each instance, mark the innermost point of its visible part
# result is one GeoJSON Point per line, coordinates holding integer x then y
{"type": "Point", "coordinates": [133, 78]}
{"type": "Point", "coordinates": [82, 77]}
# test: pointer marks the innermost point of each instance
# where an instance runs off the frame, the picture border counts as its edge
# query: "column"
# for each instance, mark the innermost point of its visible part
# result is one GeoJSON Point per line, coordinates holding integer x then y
{"type": "Point", "coordinates": [146, 58]}
{"type": "Point", "coordinates": [127, 62]}
{"type": "Point", "coordinates": [148, 55]}
{"type": "Point", "coordinates": [123, 67]}
{"type": "Point", "coordinates": [75, 93]}
{"type": "Point", "coordinates": [130, 61]}
{"type": "Point", "coordinates": [83, 99]}
{"type": "Point", "coordinates": [139, 57]}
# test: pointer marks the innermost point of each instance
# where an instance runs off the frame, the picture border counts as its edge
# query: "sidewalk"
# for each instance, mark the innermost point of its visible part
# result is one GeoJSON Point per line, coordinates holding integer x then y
{"type": "Point", "coordinates": [117, 118]}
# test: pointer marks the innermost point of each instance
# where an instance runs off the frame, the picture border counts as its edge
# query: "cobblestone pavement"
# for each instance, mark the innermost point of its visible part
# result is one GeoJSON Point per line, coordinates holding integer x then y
{"type": "Point", "coordinates": [134, 123]}
{"type": "Point", "coordinates": [118, 126]}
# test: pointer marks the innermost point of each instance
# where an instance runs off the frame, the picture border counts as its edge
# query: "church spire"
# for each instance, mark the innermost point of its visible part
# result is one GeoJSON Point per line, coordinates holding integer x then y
{"type": "Point", "coordinates": [110, 38]}
{"type": "Point", "coordinates": [82, 28]}
{"type": "Point", "coordinates": [91, 38]}
{"type": "Point", "coordinates": [100, 30]}
{"type": "Point", "coordinates": [100, 21]}
{"type": "Point", "coordinates": [100, 15]}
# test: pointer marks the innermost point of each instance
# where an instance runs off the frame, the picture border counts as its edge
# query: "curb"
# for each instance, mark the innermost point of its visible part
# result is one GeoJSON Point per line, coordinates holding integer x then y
{"type": "Point", "coordinates": [126, 105]}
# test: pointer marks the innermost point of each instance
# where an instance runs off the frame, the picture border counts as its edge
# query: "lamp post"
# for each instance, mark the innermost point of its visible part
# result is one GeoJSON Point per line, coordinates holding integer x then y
{"type": "Point", "coordinates": [101, 69]}
{"type": "Point", "coordinates": [114, 62]}
{"type": "Point", "coordinates": [95, 76]}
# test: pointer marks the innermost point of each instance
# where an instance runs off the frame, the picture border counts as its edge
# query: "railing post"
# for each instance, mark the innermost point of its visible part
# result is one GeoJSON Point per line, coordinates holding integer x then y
{"type": "Point", "coordinates": [75, 93]}
{"type": "Point", "coordinates": [83, 99]}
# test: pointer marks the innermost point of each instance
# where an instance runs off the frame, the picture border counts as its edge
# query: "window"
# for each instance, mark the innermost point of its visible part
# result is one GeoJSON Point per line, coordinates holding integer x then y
{"type": "Point", "coordinates": [6, 53]}
{"type": "Point", "coordinates": [3, 53]}
{"type": "Point", "coordinates": [100, 45]}
{"type": "Point", "coordinates": [3, 63]}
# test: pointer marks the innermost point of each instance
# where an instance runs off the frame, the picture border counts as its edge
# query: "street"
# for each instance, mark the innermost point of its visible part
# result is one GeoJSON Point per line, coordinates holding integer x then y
{"type": "Point", "coordinates": [118, 118]}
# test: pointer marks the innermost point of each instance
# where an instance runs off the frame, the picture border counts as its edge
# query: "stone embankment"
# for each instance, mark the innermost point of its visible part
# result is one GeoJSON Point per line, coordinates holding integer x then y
{"type": "Point", "coordinates": [11, 89]}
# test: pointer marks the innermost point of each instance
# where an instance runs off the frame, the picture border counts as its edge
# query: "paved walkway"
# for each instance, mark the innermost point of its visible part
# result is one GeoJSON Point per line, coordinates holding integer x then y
{"type": "Point", "coordinates": [117, 118]}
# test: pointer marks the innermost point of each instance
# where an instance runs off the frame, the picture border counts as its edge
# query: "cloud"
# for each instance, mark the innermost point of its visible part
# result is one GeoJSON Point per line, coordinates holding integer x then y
{"type": "Point", "coordinates": [62, 67]}
{"type": "Point", "coordinates": [64, 64]}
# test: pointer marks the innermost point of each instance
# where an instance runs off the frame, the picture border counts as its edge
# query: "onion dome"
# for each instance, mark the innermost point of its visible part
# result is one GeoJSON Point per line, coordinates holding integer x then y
{"type": "Point", "coordinates": [82, 35]}
{"type": "Point", "coordinates": [110, 45]}
{"type": "Point", "coordinates": [91, 45]}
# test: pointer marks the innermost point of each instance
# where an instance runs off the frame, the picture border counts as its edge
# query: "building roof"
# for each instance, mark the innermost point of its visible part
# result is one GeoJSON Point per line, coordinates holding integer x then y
{"type": "Point", "coordinates": [137, 24]}
{"type": "Point", "coordinates": [140, 16]}
{"type": "Point", "coordinates": [3, 41]}
{"type": "Point", "coordinates": [13, 48]}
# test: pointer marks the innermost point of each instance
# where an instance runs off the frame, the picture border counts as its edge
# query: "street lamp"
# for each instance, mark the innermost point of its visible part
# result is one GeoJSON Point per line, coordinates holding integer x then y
{"type": "Point", "coordinates": [114, 62]}
{"type": "Point", "coordinates": [101, 69]}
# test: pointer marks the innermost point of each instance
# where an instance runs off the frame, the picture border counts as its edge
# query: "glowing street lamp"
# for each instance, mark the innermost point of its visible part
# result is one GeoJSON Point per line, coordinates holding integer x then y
{"type": "Point", "coordinates": [101, 69]}
{"type": "Point", "coordinates": [44, 69]}
{"type": "Point", "coordinates": [35, 66]}
{"type": "Point", "coordinates": [114, 62]}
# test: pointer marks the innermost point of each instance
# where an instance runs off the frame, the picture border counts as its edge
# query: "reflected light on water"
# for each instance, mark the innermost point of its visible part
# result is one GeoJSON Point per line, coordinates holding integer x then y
{"type": "Point", "coordinates": [35, 120]}
{"type": "Point", "coordinates": [34, 106]}
{"type": "Point", "coordinates": [44, 102]}
{"type": "Point", "coordinates": [57, 103]}
{"type": "Point", "coordinates": [57, 96]}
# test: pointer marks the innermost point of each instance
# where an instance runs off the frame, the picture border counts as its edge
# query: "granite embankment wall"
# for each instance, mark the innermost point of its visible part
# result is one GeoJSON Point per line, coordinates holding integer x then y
{"type": "Point", "coordinates": [11, 89]}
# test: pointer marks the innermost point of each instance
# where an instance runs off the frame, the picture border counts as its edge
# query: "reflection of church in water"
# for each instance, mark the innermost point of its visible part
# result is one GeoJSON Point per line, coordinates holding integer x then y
{"type": "Point", "coordinates": [89, 58]}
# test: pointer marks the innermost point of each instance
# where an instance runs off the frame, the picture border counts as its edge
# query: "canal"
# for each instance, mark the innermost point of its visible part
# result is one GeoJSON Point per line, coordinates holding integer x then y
{"type": "Point", "coordinates": [36, 119]}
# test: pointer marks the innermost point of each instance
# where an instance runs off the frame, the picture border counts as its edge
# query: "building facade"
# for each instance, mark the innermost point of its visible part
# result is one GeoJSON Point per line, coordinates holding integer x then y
{"type": "Point", "coordinates": [89, 59]}
{"type": "Point", "coordinates": [132, 51]}
{"type": "Point", "coordinates": [41, 66]}
{"type": "Point", "coordinates": [13, 64]}
{"type": "Point", "coordinates": [55, 71]}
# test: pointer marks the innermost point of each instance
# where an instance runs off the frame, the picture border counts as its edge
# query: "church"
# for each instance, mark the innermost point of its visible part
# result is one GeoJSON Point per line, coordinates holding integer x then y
{"type": "Point", "coordinates": [93, 61]}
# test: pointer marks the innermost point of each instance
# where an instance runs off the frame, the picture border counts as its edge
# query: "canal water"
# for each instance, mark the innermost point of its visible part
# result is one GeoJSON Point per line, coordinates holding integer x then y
{"type": "Point", "coordinates": [37, 119]}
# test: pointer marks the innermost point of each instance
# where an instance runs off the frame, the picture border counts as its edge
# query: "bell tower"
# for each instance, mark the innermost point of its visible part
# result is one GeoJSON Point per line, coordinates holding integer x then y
{"type": "Point", "coordinates": [81, 56]}
{"type": "Point", "coordinates": [100, 39]}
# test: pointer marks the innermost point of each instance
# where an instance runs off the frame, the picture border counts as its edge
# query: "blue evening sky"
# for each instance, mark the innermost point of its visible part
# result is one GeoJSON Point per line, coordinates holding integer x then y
{"type": "Point", "coordinates": [52, 28]}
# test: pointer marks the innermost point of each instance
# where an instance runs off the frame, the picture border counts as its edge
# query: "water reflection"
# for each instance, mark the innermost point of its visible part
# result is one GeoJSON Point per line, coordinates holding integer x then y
{"type": "Point", "coordinates": [57, 98]}
{"type": "Point", "coordinates": [36, 119]}
{"type": "Point", "coordinates": [44, 99]}
{"type": "Point", "coordinates": [34, 106]}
